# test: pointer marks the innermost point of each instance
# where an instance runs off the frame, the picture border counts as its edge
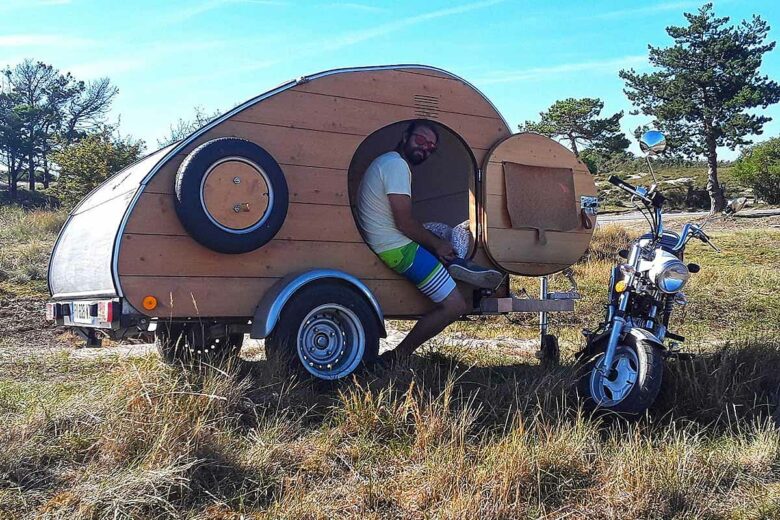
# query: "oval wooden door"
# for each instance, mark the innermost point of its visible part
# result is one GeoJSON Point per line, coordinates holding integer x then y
{"type": "Point", "coordinates": [539, 205]}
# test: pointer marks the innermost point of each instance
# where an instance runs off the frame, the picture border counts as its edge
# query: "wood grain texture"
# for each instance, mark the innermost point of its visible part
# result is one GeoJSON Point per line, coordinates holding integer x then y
{"type": "Point", "coordinates": [312, 131]}
{"type": "Point", "coordinates": [336, 113]}
{"type": "Point", "coordinates": [237, 205]}
{"type": "Point", "coordinates": [218, 297]}
{"type": "Point", "coordinates": [519, 251]}
{"type": "Point", "coordinates": [155, 215]}
{"type": "Point", "coordinates": [398, 87]}
{"type": "Point", "coordinates": [147, 255]}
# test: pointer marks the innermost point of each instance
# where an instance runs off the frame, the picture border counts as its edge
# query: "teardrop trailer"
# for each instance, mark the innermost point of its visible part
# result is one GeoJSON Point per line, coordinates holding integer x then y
{"type": "Point", "coordinates": [248, 224]}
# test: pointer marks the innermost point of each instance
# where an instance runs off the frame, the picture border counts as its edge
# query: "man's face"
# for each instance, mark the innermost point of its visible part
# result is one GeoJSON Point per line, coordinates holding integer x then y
{"type": "Point", "coordinates": [420, 144]}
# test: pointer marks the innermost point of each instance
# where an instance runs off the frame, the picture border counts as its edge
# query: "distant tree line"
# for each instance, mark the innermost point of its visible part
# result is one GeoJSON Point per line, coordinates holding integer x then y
{"type": "Point", "coordinates": [700, 96]}
{"type": "Point", "coordinates": [44, 117]}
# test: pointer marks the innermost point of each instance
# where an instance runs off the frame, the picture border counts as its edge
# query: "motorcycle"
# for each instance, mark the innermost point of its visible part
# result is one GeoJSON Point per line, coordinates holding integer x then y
{"type": "Point", "coordinates": [625, 354]}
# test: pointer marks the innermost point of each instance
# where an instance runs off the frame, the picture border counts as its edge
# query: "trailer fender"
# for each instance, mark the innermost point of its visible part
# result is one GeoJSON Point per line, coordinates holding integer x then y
{"type": "Point", "coordinates": [270, 307]}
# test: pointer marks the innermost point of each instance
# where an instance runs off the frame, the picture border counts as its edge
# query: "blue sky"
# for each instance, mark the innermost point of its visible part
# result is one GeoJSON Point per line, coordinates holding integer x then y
{"type": "Point", "coordinates": [168, 56]}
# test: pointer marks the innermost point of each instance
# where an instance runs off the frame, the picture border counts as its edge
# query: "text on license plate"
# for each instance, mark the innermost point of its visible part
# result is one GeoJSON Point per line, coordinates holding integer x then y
{"type": "Point", "coordinates": [81, 312]}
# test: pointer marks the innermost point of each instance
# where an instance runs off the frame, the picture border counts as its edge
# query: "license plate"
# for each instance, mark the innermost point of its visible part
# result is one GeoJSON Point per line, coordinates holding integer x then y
{"type": "Point", "coordinates": [81, 312]}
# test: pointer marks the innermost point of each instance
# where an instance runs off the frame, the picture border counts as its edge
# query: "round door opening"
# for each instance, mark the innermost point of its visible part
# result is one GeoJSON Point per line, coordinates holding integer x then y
{"type": "Point", "coordinates": [443, 186]}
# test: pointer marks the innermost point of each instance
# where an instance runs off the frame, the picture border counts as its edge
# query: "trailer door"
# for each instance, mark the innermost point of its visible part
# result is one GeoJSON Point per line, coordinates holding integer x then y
{"type": "Point", "coordinates": [539, 205]}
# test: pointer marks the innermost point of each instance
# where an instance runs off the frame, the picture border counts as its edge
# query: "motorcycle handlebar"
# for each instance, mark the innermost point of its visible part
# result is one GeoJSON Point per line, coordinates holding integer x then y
{"type": "Point", "coordinates": [620, 183]}
{"type": "Point", "coordinates": [623, 185]}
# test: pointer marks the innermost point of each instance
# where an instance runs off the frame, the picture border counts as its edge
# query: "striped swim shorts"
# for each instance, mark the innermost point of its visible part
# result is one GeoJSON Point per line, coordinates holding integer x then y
{"type": "Point", "coordinates": [421, 268]}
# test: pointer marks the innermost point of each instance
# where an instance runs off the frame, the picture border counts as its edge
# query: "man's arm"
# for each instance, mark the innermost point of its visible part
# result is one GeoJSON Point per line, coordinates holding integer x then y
{"type": "Point", "coordinates": [401, 207]}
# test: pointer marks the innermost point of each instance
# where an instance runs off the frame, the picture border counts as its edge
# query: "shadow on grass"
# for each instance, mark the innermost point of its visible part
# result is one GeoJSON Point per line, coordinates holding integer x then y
{"type": "Point", "coordinates": [720, 389]}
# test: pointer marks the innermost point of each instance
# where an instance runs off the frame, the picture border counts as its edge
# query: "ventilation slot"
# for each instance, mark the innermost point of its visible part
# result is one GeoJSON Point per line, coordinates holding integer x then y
{"type": "Point", "coordinates": [426, 107]}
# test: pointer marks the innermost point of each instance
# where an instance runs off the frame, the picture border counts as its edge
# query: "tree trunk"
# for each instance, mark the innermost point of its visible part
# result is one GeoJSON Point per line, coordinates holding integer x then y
{"type": "Point", "coordinates": [573, 142]}
{"type": "Point", "coordinates": [45, 172]}
{"type": "Point", "coordinates": [11, 182]}
{"type": "Point", "coordinates": [31, 171]}
{"type": "Point", "coordinates": [717, 199]}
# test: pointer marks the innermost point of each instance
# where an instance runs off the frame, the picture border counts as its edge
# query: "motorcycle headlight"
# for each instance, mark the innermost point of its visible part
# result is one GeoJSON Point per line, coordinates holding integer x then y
{"type": "Point", "coordinates": [670, 276]}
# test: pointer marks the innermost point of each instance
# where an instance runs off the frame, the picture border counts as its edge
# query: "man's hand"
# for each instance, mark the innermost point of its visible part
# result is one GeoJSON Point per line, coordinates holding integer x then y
{"type": "Point", "coordinates": [444, 251]}
{"type": "Point", "coordinates": [401, 206]}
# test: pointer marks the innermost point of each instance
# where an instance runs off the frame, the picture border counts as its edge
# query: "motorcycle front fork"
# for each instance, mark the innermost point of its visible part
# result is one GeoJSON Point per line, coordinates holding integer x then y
{"type": "Point", "coordinates": [618, 324]}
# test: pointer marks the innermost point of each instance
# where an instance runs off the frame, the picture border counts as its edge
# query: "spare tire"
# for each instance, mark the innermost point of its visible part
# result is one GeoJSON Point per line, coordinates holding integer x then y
{"type": "Point", "coordinates": [231, 195]}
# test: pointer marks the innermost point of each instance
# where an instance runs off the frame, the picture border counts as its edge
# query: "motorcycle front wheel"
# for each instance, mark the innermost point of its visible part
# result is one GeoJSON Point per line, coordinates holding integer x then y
{"type": "Point", "coordinates": [632, 383]}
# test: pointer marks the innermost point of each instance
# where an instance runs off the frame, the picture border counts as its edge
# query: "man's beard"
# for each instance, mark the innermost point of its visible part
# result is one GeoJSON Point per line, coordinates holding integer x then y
{"type": "Point", "coordinates": [416, 156]}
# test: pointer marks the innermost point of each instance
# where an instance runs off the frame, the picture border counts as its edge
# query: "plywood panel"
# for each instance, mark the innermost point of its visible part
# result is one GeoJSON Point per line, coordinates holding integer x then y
{"type": "Point", "coordinates": [294, 145]}
{"type": "Point", "coordinates": [399, 298]}
{"type": "Point", "coordinates": [154, 214]}
{"type": "Point", "coordinates": [238, 297]}
{"type": "Point", "coordinates": [161, 255]}
{"type": "Point", "coordinates": [305, 184]}
{"type": "Point", "coordinates": [519, 248]}
{"type": "Point", "coordinates": [193, 297]}
{"type": "Point", "coordinates": [535, 150]}
{"type": "Point", "coordinates": [399, 88]}
{"type": "Point", "coordinates": [521, 245]}
{"type": "Point", "coordinates": [335, 113]}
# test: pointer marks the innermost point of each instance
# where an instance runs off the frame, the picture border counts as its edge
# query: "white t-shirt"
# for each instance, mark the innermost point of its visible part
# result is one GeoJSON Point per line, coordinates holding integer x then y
{"type": "Point", "coordinates": [386, 174]}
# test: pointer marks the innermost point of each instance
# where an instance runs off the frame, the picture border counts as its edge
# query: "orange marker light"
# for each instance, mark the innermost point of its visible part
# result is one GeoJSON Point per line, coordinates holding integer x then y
{"type": "Point", "coordinates": [150, 303]}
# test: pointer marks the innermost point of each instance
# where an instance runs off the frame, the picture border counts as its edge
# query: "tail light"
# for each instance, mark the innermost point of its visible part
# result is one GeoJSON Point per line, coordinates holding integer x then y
{"type": "Point", "coordinates": [106, 311]}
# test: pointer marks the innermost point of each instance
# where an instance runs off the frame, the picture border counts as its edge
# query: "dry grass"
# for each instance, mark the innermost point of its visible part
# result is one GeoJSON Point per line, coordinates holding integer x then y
{"type": "Point", "coordinates": [436, 439]}
{"type": "Point", "coordinates": [459, 433]}
{"type": "Point", "coordinates": [26, 239]}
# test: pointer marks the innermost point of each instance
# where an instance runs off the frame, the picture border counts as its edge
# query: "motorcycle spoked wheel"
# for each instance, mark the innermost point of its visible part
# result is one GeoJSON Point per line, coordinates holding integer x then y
{"type": "Point", "coordinates": [633, 384]}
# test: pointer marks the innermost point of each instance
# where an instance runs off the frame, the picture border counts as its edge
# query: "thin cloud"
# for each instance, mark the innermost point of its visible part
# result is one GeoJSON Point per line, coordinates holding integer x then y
{"type": "Point", "coordinates": [141, 58]}
{"type": "Point", "coordinates": [351, 38]}
{"type": "Point", "coordinates": [643, 11]}
{"type": "Point", "coordinates": [354, 37]}
{"type": "Point", "coordinates": [356, 7]}
{"type": "Point", "coordinates": [11, 5]}
{"type": "Point", "coordinates": [41, 40]}
{"type": "Point", "coordinates": [107, 67]}
{"type": "Point", "coordinates": [538, 73]}
{"type": "Point", "coordinates": [183, 15]}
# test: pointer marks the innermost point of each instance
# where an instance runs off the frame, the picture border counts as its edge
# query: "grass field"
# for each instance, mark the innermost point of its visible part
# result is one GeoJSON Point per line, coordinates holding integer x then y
{"type": "Point", "coordinates": [458, 433]}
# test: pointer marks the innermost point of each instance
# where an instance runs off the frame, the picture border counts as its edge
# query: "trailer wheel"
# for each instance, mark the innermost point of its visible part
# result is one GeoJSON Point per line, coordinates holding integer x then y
{"type": "Point", "coordinates": [328, 329]}
{"type": "Point", "coordinates": [193, 345]}
{"type": "Point", "coordinates": [231, 195]}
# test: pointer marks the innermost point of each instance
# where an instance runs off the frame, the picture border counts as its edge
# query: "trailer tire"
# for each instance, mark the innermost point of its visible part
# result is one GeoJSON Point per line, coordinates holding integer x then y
{"type": "Point", "coordinates": [326, 331]}
{"type": "Point", "coordinates": [216, 209]}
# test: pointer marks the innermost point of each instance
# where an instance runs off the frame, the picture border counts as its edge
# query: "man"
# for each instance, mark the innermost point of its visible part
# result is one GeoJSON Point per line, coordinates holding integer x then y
{"type": "Point", "coordinates": [385, 214]}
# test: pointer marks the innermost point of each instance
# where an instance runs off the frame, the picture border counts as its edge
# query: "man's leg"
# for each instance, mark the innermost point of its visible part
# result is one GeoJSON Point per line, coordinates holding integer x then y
{"type": "Point", "coordinates": [424, 270]}
{"type": "Point", "coordinates": [447, 311]}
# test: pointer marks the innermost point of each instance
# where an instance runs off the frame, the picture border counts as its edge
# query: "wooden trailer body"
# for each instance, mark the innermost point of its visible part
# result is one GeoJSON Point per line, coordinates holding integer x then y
{"type": "Point", "coordinates": [126, 242]}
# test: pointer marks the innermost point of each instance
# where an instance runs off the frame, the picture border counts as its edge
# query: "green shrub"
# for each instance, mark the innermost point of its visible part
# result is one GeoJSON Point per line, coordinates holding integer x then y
{"type": "Point", "coordinates": [759, 167]}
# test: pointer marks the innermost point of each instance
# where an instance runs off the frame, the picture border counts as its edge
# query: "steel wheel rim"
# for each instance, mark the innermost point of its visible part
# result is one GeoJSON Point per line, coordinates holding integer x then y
{"type": "Point", "coordinates": [331, 341]}
{"type": "Point", "coordinates": [609, 392]}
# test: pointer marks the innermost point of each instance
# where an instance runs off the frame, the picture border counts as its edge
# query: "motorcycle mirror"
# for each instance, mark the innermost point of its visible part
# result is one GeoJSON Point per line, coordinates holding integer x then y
{"type": "Point", "coordinates": [652, 142]}
{"type": "Point", "coordinates": [623, 253]}
{"type": "Point", "coordinates": [735, 205]}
